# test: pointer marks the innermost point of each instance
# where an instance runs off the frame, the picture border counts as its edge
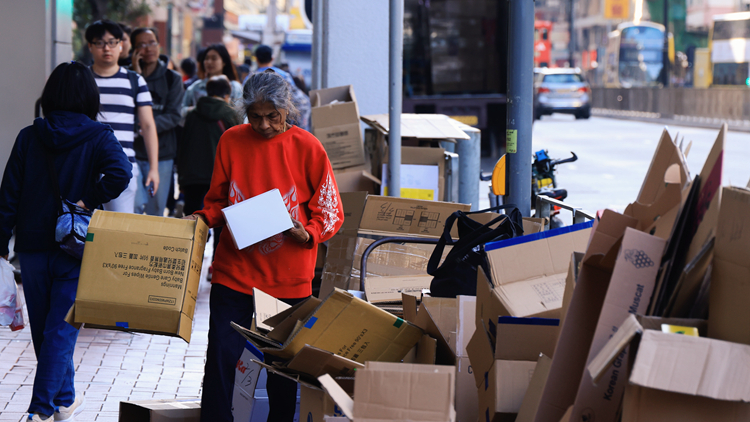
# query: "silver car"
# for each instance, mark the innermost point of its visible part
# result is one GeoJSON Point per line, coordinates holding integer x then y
{"type": "Point", "coordinates": [561, 90]}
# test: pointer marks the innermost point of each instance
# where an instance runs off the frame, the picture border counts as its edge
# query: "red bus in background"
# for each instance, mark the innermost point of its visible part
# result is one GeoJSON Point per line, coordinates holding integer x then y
{"type": "Point", "coordinates": [542, 44]}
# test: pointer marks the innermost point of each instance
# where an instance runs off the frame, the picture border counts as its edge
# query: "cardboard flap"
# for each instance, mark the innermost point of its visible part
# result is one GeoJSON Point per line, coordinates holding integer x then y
{"type": "Point", "coordinates": [316, 362]}
{"type": "Point", "coordinates": [667, 153]}
{"type": "Point", "coordinates": [294, 315]}
{"type": "Point", "coordinates": [354, 205]}
{"type": "Point", "coordinates": [266, 307]}
{"type": "Point", "coordinates": [692, 365]}
{"type": "Point", "coordinates": [338, 395]}
{"type": "Point", "coordinates": [612, 349]}
{"type": "Point", "coordinates": [435, 316]}
{"type": "Point", "coordinates": [607, 233]}
{"type": "Point", "coordinates": [420, 126]}
{"type": "Point", "coordinates": [142, 224]}
{"type": "Point", "coordinates": [257, 339]}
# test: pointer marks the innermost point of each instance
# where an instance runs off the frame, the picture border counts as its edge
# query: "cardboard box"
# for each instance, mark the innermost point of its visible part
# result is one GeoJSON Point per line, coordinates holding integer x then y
{"type": "Point", "coordinates": [188, 410]}
{"type": "Point", "coordinates": [140, 273]}
{"type": "Point", "coordinates": [257, 218]}
{"type": "Point", "coordinates": [316, 405]}
{"type": "Point", "coordinates": [377, 216]}
{"type": "Point", "coordinates": [678, 377]}
{"type": "Point", "coordinates": [351, 180]}
{"type": "Point", "coordinates": [389, 289]}
{"type": "Point", "coordinates": [630, 288]}
{"type": "Point", "coordinates": [528, 275]}
{"type": "Point", "coordinates": [533, 396]}
{"type": "Point", "coordinates": [503, 389]}
{"type": "Point", "coordinates": [340, 324]}
{"type": "Point", "coordinates": [398, 391]}
{"type": "Point", "coordinates": [729, 314]}
{"type": "Point", "coordinates": [422, 173]}
{"type": "Point", "coordinates": [335, 122]}
{"type": "Point", "coordinates": [246, 376]}
{"type": "Point", "coordinates": [525, 338]}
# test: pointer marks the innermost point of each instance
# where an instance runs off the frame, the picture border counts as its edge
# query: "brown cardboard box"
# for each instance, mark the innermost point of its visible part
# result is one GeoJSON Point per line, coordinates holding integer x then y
{"type": "Point", "coordinates": [678, 377]}
{"type": "Point", "coordinates": [389, 289]}
{"type": "Point", "coordinates": [630, 288]}
{"type": "Point", "coordinates": [377, 216]}
{"type": "Point", "coordinates": [398, 391]}
{"type": "Point", "coordinates": [335, 122]}
{"type": "Point", "coordinates": [533, 395]}
{"type": "Point", "coordinates": [525, 338]}
{"type": "Point", "coordinates": [729, 313]}
{"type": "Point", "coordinates": [351, 180]}
{"type": "Point", "coordinates": [140, 273]}
{"type": "Point", "coordinates": [188, 410]}
{"type": "Point", "coordinates": [315, 404]}
{"type": "Point", "coordinates": [419, 156]}
{"type": "Point", "coordinates": [503, 389]}
{"type": "Point", "coordinates": [341, 324]}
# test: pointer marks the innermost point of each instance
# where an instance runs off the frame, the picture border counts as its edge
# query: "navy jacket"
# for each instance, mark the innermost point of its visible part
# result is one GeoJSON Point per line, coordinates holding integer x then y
{"type": "Point", "coordinates": [90, 164]}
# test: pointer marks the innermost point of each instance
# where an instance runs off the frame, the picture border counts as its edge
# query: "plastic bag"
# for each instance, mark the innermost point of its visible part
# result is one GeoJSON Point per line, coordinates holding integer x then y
{"type": "Point", "coordinates": [8, 293]}
{"type": "Point", "coordinates": [19, 320]}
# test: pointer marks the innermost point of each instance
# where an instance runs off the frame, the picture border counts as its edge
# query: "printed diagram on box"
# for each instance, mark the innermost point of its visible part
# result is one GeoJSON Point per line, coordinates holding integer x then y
{"type": "Point", "coordinates": [638, 258]}
{"type": "Point", "coordinates": [403, 217]}
{"type": "Point", "coordinates": [429, 220]}
{"type": "Point", "coordinates": [550, 292]}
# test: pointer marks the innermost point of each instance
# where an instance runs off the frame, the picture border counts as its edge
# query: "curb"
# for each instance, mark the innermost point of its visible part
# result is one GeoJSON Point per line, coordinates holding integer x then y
{"type": "Point", "coordinates": [677, 120]}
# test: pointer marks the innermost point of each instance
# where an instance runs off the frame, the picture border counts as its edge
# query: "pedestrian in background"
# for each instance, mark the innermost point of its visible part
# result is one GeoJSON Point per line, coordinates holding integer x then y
{"type": "Point", "coordinates": [216, 61]}
{"type": "Point", "coordinates": [166, 91]}
{"type": "Point", "coordinates": [251, 159]}
{"type": "Point", "coordinates": [203, 127]}
{"type": "Point", "coordinates": [123, 94]}
{"type": "Point", "coordinates": [91, 169]}
{"type": "Point", "coordinates": [189, 71]}
{"type": "Point", "coordinates": [124, 59]}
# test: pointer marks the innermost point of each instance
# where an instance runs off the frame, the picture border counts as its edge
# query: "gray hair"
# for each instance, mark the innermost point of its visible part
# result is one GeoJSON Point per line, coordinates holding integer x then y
{"type": "Point", "coordinates": [269, 87]}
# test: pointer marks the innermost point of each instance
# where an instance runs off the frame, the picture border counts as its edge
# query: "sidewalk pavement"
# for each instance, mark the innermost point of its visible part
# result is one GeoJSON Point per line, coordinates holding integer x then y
{"type": "Point", "coordinates": [112, 366]}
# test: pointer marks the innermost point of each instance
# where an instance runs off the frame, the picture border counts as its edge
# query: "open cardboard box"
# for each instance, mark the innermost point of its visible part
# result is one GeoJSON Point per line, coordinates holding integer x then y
{"type": "Point", "coordinates": [140, 273]}
{"type": "Point", "coordinates": [676, 377]}
{"type": "Point", "coordinates": [503, 390]}
{"type": "Point", "coordinates": [335, 122]}
{"type": "Point", "coordinates": [341, 324]}
{"type": "Point", "coordinates": [356, 180]}
{"type": "Point", "coordinates": [397, 391]}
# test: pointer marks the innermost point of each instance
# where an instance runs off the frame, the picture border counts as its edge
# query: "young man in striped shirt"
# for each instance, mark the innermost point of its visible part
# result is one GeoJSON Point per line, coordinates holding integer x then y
{"type": "Point", "coordinates": [123, 96]}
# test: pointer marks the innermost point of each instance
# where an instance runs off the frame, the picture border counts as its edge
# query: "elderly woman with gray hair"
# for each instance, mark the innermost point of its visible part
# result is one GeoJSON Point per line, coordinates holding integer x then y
{"type": "Point", "coordinates": [267, 153]}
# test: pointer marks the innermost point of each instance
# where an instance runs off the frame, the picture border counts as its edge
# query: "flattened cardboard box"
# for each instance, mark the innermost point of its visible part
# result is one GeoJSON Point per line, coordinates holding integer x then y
{"type": "Point", "coordinates": [335, 121]}
{"type": "Point", "coordinates": [679, 377]}
{"type": "Point", "coordinates": [188, 410]}
{"type": "Point", "coordinates": [140, 273]}
{"type": "Point", "coordinates": [341, 324]}
{"type": "Point", "coordinates": [246, 376]}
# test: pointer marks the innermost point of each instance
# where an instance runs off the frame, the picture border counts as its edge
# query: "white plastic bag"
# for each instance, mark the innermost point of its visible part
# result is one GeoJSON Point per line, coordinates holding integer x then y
{"type": "Point", "coordinates": [8, 294]}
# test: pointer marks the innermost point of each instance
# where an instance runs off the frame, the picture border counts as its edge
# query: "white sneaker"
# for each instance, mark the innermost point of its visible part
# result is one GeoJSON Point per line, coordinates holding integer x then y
{"type": "Point", "coordinates": [37, 418]}
{"type": "Point", "coordinates": [67, 414]}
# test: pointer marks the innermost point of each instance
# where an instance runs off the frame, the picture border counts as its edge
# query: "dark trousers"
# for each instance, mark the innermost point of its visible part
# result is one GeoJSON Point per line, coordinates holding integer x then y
{"type": "Point", "coordinates": [225, 345]}
{"type": "Point", "coordinates": [194, 195]}
{"type": "Point", "coordinates": [50, 281]}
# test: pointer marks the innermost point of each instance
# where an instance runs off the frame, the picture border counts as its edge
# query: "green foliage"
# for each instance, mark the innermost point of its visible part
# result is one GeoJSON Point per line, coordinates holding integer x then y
{"type": "Point", "coordinates": [127, 11]}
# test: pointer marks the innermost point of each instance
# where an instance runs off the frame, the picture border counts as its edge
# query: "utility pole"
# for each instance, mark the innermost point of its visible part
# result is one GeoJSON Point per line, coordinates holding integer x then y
{"type": "Point", "coordinates": [520, 103]}
{"type": "Point", "coordinates": [395, 93]}
{"type": "Point", "coordinates": [665, 55]}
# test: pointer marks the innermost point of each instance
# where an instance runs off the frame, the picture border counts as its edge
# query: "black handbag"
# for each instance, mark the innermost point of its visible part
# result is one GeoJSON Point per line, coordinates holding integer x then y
{"type": "Point", "coordinates": [72, 221]}
{"type": "Point", "coordinates": [457, 275]}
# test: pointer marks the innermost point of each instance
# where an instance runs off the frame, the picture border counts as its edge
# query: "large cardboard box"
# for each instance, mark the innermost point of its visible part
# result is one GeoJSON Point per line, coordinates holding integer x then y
{"type": "Point", "coordinates": [335, 122]}
{"type": "Point", "coordinates": [188, 410]}
{"type": "Point", "coordinates": [356, 180]}
{"type": "Point", "coordinates": [246, 376]}
{"type": "Point", "coordinates": [503, 389]}
{"type": "Point", "coordinates": [422, 173]}
{"type": "Point", "coordinates": [677, 377]}
{"type": "Point", "coordinates": [374, 217]}
{"type": "Point", "coordinates": [728, 309]}
{"type": "Point", "coordinates": [140, 273]}
{"type": "Point", "coordinates": [316, 405]}
{"type": "Point", "coordinates": [341, 324]}
{"type": "Point", "coordinates": [398, 391]}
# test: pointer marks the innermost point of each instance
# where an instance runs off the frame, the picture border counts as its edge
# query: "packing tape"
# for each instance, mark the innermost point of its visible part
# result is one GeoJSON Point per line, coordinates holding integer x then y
{"type": "Point", "coordinates": [121, 324]}
{"type": "Point", "coordinates": [89, 237]}
{"type": "Point", "coordinates": [399, 322]}
{"type": "Point", "coordinates": [311, 322]}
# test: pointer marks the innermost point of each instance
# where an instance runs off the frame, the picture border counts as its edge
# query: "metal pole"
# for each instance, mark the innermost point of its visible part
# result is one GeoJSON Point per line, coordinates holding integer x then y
{"type": "Point", "coordinates": [395, 91]}
{"type": "Point", "coordinates": [665, 56]}
{"type": "Point", "coordinates": [520, 85]}
{"type": "Point", "coordinates": [169, 29]}
{"type": "Point", "coordinates": [469, 153]}
{"type": "Point", "coordinates": [317, 44]}
{"type": "Point", "coordinates": [572, 41]}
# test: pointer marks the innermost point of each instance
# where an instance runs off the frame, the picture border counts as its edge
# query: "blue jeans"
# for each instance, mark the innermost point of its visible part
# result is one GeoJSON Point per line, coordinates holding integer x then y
{"type": "Point", "coordinates": [143, 200]}
{"type": "Point", "coordinates": [225, 346]}
{"type": "Point", "coordinates": [50, 281]}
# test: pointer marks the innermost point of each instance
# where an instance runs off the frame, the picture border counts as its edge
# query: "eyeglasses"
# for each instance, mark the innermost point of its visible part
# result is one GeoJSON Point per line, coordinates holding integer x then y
{"type": "Point", "coordinates": [112, 43]}
{"type": "Point", "coordinates": [144, 45]}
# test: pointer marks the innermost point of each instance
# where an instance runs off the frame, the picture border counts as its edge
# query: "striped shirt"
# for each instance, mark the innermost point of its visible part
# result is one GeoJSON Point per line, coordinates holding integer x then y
{"type": "Point", "coordinates": [118, 107]}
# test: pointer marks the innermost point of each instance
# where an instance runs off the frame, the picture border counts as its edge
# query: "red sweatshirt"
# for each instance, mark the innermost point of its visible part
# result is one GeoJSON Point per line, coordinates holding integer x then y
{"type": "Point", "coordinates": [247, 165]}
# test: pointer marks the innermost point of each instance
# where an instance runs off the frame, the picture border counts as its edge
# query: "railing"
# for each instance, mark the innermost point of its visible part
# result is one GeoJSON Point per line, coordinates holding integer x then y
{"type": "Point", "coordinates": [544, 205]}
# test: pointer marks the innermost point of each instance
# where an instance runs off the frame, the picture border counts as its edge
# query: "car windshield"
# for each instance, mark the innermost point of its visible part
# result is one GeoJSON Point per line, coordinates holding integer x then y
{"type": "Point", "coordinates": [563, 78]}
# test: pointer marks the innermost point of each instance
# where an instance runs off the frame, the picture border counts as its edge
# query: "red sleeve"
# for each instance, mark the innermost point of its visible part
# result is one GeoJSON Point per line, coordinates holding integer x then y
{"type": "Point", "coordinates": [217, 197]}
{"type": "Point", "coordinates": [327, 211]}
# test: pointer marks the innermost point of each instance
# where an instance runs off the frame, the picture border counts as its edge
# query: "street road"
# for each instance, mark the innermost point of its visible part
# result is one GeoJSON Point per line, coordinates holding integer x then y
{"type": "Point", "coordinates": [614, 155]}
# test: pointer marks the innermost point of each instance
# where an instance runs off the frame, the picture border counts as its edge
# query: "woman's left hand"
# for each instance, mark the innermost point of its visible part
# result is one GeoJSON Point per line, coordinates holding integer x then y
{"type": "Point", "coordinates": [298, 232]}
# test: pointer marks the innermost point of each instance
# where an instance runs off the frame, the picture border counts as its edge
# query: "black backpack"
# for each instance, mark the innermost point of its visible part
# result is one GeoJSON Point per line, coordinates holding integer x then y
{"type": "Point", "coordinates": [458, 273]}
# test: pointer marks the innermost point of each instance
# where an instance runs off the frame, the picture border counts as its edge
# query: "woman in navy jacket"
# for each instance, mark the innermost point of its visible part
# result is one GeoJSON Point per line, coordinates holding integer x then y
{"type": "Point", "coordinates": [91, 169]}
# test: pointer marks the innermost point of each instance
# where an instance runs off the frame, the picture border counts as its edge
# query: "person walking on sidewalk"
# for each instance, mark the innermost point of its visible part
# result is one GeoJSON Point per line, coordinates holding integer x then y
{"type": "Point", "coordinates": [91, 169]}
{"type": "Point", "coordinates": [123, 94]}
{"type": "Point", "coordinates": [215, 61]}
{"type": "Point", "coordinates": [166, 91]}
{"type": "Point", "coordinates": [268, 153]}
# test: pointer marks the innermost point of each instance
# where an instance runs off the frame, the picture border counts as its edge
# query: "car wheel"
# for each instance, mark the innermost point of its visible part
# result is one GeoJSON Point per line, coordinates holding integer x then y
{"type": "Point", "coordinates": [584, 113]}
